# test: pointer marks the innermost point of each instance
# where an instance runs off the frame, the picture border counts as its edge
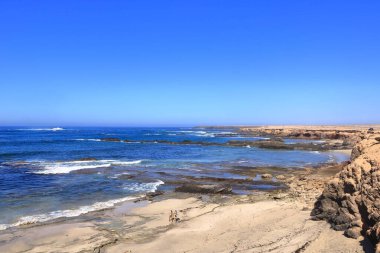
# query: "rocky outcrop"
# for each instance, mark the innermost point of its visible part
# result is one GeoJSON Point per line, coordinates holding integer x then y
{"type": "Point", "coordinates": [351, 200]}
{"type": "Point", "coordinates": [346, 135]}
{"type": "Point", "coordinates": [110, 139]}
{"type": "Point", "coordinates": [266, 176]}
{"type": "Point", "coordinates": [205, 189]}
{"type": "Point", "coordinates": [278, 143]}
{"type": "Point", "coordinates": [273, 143]}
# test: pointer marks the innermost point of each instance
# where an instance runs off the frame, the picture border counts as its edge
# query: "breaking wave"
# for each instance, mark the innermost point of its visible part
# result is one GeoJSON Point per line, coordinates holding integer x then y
{"type": "Point", "coordinates": [67, 167]}
{"type": "Point", "coordinates": [144, 187]}
{"type": "Point", "coordinates": [88, 139]}
{"type": "Point", "coordinates": [42, 129]}
{"type": "Point", "coordinates": [32, 219]}
{"type": "Point", "coordinates": [194, 133]}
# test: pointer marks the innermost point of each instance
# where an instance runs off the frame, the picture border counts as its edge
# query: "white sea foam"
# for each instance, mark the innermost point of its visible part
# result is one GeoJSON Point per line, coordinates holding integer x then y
{"type": "Point", "coordinates": [125, 162]}
{"type": "Point", "coordinates": [205, 135]}
{"type": "Point", "coordinates": [67, 167]}
{"type": "Point", "coordinates": [188, 131]}
{"type": "Point", "coordinates": [209, 134]}
{"type": "Point", "coordinates": [119, 174]}
{"type": "Point", "coordinates": [88, 139]}
{"type": "Point", "coordinates": [42, 129]}
{"type": "Point", "coordinates": [331, 159]}
{"type": "Point", "coordinates": [144, 187]}
{"type": "Point", "coordinates": [66, 213]}
{"type": "Point", "coordinates": [188, 168]}
{"type": "Point", "coordinates": [63, 168]}
{"type": "Point", "coordinates": [194, 133]}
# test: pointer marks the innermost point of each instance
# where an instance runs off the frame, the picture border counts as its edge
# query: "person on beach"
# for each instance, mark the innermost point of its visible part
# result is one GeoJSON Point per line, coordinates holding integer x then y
{"type": "Point", "coordinates": [171, 216]}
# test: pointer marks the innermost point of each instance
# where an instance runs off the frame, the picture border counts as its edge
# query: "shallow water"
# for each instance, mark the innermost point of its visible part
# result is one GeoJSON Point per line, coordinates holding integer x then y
{"type": "Point", "coordinates": [44, 173]}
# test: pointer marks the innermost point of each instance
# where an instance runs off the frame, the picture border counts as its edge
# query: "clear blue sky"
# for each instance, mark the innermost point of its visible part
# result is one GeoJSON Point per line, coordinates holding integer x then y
{"type": "Point", "coordinates": [136, 62]}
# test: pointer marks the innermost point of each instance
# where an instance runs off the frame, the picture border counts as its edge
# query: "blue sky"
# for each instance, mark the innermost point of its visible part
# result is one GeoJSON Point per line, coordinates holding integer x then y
{"type": "Point", "coordinates": [162, 63]}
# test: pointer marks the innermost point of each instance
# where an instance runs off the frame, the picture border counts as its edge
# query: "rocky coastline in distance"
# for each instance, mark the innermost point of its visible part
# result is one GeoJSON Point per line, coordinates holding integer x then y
{"type": "Point", "coordinates": [331, 138]}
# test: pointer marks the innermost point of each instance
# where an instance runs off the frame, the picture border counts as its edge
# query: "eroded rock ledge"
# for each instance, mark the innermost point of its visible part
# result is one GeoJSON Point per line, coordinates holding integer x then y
{"type": "Point", "coordinates": [346, 134]}
{"type": "Point", "coordinates": [351, 200]}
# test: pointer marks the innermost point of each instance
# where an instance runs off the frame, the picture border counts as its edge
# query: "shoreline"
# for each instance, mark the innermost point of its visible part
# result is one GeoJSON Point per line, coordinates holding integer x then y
{"type": "Point", "coordinates": [62, 215]}
{"type": "Point", "coordinates": [143, 226]}
{"type": "Point", "coordinates": [277, 221]}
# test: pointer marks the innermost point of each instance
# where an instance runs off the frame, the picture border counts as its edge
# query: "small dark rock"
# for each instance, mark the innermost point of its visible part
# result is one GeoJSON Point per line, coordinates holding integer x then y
{"type": "Point", "coordinates": [154, 194]}
{"type": "Point", "coordinates": [111, 139]}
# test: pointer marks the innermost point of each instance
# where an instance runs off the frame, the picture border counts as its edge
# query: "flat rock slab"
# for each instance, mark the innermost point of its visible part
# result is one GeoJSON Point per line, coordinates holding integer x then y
{"type": "Point", "coordinates": [205, 189]}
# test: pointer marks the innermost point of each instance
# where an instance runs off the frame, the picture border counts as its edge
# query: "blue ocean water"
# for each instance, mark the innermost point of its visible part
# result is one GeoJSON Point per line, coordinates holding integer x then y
{"type": "Point", "coordinates": [46, 173]}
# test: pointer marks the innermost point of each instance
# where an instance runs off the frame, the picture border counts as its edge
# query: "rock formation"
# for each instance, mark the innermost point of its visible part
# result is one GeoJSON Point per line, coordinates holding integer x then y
{"type": "Point", "coordinates": [347, 135]}
{"type": "Point", "coordinates": [205, 189]}
{"type": "Point", "coordinates": [273, 143]}
{"type": "Point", "coordinates": [351, 200]}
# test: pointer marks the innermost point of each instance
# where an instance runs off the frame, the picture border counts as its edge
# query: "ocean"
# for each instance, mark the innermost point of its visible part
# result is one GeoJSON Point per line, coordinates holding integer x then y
{"type": "Point", "coordinates": [48, 173]}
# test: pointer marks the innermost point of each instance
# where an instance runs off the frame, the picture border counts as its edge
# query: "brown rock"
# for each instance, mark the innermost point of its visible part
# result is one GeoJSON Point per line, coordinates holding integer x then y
{"type": "Point", "coordinates": [266, 176]}
{"type": "Point", "coordinates": [110, 139]}
{"type": "Point", "coordinates": [353, 232]}
{"type": "Point", "coordinates": [205, 189]}
{"type": "Point", "coordinates": [350, 201]}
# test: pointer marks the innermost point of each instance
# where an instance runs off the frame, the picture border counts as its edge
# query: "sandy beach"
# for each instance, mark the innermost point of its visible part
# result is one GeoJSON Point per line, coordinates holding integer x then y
{"type": "Point", "coordinates": [230, 224]}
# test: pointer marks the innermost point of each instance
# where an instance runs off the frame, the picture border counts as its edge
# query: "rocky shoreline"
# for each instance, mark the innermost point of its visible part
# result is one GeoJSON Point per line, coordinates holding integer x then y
{"type": "Point", "coordinates": [213, 218]}
{"type": "Point", "coordinates": [142, 226]}
{"type": "Point", "coordinates": [351, 200]}
{"type": "Point", "coordinates": [345, 134]}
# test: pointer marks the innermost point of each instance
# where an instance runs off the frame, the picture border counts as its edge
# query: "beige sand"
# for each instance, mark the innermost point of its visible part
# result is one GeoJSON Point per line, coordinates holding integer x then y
{"type": "Point", "coordinates": [275, 226]}
{"type": "Point", "coordinates": [234, 225]}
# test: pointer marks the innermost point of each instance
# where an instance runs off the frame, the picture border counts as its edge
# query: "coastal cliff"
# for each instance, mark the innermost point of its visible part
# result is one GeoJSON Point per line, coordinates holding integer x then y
{"type": "Point", "coordinates": [351, 200]}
